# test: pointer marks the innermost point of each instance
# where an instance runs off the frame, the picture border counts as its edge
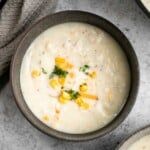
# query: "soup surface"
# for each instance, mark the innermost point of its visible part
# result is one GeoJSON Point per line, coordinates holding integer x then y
{"type": "Point", "coordinates": [75, 77]}
{"type": "Point", "coordinates": [146, 4]}
{"type": "Point", "coordinates": [141, 144]}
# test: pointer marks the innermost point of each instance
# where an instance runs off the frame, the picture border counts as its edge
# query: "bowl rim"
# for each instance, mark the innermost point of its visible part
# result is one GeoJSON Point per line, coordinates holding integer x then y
{"type": "Point", "coordinates": [135, 136]}
{"type": "Point", "coordinates": [142, 6]}
{"type": "Point", "coordinates": [67, 136]}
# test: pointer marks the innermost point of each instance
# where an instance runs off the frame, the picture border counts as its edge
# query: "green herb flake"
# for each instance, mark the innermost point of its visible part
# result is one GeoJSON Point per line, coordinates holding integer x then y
{"type": "Point", "coordinates": [44, 71]}
{"type": "Point", "coordinates": [73, 94]}
{"type": "Point", "coordinates": [58, 72]}
{"type": "Point", "coordinates": [84, 68]}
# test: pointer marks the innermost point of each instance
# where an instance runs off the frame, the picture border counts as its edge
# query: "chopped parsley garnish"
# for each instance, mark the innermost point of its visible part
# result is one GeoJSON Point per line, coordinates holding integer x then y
{"type": "Point", "coordinates": [58, 72]}
{"type": "Point", "coordinates": [44, 71]}
{"type": "Point", "coordinates": [73, 94]}
{"type": "Point", "coordinates": [84, 68]}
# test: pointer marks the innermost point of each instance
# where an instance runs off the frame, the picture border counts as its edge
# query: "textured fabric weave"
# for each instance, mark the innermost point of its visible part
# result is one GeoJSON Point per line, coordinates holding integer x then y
{"type": "Point", "coordinates": [15, 17]}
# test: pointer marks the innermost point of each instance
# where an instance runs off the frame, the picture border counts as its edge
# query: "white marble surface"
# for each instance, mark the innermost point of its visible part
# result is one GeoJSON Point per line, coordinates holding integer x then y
{"type": "Point", "coordinates": [16, 133]}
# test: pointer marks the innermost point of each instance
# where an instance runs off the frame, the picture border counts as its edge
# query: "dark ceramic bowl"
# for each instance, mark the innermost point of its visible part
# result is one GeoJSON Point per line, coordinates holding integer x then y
{"type": "Point", "coordinates": [141, 5]}
{"type": "Point", "coordinates": [74, 16]}
{"type": "Point", "coordinates": [133, 138]}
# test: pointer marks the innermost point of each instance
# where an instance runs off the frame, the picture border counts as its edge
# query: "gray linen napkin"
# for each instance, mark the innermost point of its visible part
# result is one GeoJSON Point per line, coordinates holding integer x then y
{"type": "Point", "coordinates": [15, 17]}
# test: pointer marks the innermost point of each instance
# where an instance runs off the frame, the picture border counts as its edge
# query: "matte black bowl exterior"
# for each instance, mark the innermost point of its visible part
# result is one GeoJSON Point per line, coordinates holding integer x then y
{"type": "Point", "coordinates": [133, 138]}
{"type": "Point", "coordinates": [146, 11]}
{"type": "Point", "coordinates": [74, 16]}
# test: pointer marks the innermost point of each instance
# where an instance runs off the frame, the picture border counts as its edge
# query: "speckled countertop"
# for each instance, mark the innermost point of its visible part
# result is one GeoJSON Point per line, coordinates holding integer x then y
{"type": "Point", "coordinates": [16, 133]}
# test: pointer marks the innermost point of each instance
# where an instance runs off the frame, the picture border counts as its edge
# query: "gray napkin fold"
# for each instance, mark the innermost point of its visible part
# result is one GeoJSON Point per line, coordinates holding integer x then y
{"type": "Point", "coordinates": [15, 17]}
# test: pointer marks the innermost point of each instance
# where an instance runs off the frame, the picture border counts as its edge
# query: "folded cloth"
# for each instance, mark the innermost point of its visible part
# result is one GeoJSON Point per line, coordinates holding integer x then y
{"type": "Point", "coordinates": [15, 17]}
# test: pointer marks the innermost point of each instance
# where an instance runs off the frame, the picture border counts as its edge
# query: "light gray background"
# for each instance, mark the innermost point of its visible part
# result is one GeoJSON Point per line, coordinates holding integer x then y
{"type": "Point", "coordinates": [16, 133]}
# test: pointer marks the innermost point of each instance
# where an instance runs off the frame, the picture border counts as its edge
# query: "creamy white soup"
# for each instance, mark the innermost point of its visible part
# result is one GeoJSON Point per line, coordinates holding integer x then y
{"type": "Point", "coordinates": [75, 78]}
{"type": "Point", "coordinates": [146, 4]}
{"type": "Point", "coordinates": [141, 144]}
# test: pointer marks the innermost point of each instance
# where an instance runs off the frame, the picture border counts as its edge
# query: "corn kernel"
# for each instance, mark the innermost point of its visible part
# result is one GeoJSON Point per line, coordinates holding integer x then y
{"type": "Point", "coordinates": [83, 87]}
{"type": "Point", "coordinates": [81, 103]}
{"type": "Point", "coordinates": [35, 73]}
{"type": "Point", "coordinates": [54, 83]}
{"type": "Point", "coordinates": [62, 63]}
{"type": "Point", "coordinates": [65, 66]}
{"type": "Point", "coordinates": [92, 74]}
{"type": "Point", "coordinates": [59, 60]}
{"type": "Point", "coordinates": [61, 81]}
{"type": "Point", "coordinates": [85, 106]}
{"type": "Point", "coordinates": [46, 118]}
{"type": "Point", "coordinates": [62, 100]}
{"type": "Point", "coordinates": [65, 95]}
